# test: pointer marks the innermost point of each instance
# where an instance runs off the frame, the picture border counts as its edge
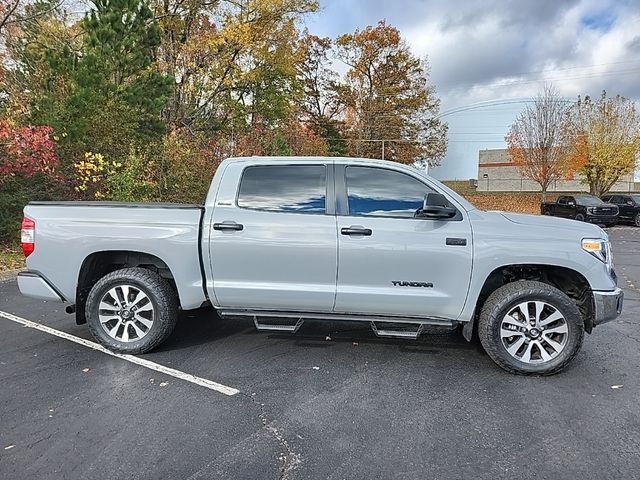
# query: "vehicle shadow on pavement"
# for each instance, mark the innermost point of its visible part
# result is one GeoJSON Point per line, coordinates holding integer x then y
{"type": "Point", "coordinates": [204, 326]}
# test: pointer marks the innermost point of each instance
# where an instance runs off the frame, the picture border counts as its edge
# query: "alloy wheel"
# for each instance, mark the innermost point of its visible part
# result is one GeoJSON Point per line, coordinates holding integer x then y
{"type": "Point", "coordinates": [126, 313]}
{"type": "Point", "coordinates": [534, 332]}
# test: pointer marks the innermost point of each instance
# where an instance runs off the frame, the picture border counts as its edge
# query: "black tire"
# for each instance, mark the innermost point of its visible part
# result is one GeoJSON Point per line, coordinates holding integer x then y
{"type": "Point", "coordinates": [503, 301]}
{"type": "Point", "coordinates": [580, 217]}
{"type": "Point", "coordinates": [162, 296]}
{"type": "Point", "coordinates": [636, 220]}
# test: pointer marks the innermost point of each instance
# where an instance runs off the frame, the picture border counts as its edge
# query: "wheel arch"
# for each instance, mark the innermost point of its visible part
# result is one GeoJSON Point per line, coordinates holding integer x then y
{"type": "Point", "coordinates": [567, 280]}
{"type": "Point", "coordinates": [98, 264]}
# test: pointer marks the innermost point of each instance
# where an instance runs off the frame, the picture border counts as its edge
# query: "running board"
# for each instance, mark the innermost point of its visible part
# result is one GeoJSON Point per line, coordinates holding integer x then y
{"type": "Point", "coordinates": [283, 328]}
{"type": "Point", "coordinates": [406, 334]}
{"type": "Point", "coordinates": [296, 316]}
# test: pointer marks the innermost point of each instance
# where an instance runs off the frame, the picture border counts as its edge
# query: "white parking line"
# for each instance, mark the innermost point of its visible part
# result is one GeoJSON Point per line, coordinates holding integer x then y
{"type": "Point", "coordinates": [203, 382]}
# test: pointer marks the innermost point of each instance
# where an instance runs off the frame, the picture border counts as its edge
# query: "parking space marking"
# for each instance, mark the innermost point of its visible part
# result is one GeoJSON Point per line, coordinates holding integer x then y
{"type": "Point", "coordinates": [187, 377]}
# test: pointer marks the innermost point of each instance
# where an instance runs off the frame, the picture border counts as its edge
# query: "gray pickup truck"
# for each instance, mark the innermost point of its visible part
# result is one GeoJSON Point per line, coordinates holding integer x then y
{"type": "Point", "coordinates": [284, 240]}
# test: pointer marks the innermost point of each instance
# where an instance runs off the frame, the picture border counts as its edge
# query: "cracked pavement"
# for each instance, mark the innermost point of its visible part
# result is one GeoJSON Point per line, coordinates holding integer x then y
{"type": "Point", "coordinates": [351, 406]}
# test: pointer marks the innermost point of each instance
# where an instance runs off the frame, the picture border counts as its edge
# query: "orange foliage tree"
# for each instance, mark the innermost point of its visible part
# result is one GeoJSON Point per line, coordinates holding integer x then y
{"type": "Point", "coordinates": [537, 141]}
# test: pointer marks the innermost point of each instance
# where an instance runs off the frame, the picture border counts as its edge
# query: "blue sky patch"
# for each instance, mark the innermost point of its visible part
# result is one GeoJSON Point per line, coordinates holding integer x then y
{"type": "Point", "coordinates": [602, 21]}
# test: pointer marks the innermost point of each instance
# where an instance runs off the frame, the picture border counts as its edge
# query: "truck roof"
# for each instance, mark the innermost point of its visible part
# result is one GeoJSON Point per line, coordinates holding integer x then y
{"type": "Point", "coordinates": [303, 159]}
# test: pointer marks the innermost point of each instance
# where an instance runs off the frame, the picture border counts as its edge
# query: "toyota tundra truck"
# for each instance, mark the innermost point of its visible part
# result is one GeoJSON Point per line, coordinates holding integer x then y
{"type": "Point", "coordinates": [284, 240]}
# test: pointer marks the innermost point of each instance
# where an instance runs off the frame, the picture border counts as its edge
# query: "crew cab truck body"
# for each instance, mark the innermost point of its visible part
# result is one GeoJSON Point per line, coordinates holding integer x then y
{"type": "Point", "coordinates": [282, 240]}
{"type": "Point", "coordinates": [628, 206]}
{"type": "Point", "coordinates": [584, 208]}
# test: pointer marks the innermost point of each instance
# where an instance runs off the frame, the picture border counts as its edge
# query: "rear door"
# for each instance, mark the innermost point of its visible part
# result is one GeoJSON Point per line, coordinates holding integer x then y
{"type": "Point", "coordinates": [273, 237]}
{"type": "Point", "coordinates": [391, 262]}
{"type": "Point", "coordinates": [625, 205]}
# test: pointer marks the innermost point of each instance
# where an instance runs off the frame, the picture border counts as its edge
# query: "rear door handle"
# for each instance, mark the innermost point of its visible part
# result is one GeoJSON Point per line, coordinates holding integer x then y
{"type": "Point", "coordinates": [228, 226]}
{"type": "Point", "coordinates": [356, 231]}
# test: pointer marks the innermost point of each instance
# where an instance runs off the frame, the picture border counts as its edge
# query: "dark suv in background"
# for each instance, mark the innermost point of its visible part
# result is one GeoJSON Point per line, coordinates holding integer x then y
{"type": "Point", "coordinates": [584, 208]}
{"type": "Point", "coordinates": [628, 206]}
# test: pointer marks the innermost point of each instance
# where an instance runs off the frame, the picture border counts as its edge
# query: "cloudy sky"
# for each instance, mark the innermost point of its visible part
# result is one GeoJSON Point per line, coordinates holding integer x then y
{"type": "Point", "coordinates": [503, 52]}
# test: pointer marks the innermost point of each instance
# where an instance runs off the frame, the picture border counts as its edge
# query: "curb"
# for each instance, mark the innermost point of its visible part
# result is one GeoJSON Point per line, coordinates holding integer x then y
{"type": "Point", "coordinates": [10, 274]}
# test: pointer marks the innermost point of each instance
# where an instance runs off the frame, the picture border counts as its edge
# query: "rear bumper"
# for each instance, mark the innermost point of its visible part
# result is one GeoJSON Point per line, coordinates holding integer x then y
{"type": "Point", "coordinates": [33, 284]}
{"type": "Point", "coordinates": [608, 305]}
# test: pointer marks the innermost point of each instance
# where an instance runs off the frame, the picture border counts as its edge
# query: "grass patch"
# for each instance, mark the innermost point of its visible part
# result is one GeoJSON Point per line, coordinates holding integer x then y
{"type": "Point", "coordinates": [10, 259]}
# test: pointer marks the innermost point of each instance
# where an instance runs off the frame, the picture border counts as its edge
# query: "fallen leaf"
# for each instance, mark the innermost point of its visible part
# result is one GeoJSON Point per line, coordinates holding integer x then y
{"type": "Point", "coordinates": [164, 384]}
{"type": "Point", "coordinates": [316, 368]}
{"type": "Point", "coordinates": [9, 447]}
{"type": "Point", "coordinates": [615, 387]}
{"type": "Point", "coordinates": [355, 344]}
{"type": "Point", "coordinates": [328, 338]}
{"type": "Point", "coordinates": [85, 370]}
{"type": "Point", "coordinates": [152, 381]}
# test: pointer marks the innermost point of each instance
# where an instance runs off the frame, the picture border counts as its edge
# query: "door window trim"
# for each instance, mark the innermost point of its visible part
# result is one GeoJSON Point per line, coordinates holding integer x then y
{"type": "Point", "coordinates": [342, 195]}
{"type": "Point", "coordinates": [329, 203]}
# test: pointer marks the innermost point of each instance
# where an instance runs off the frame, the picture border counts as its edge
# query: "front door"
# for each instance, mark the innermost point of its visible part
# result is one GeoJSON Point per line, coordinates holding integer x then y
{"type": "Point", "coordinates": [273, 238]}
{"type": "Point", "coordinates": [391, 262]}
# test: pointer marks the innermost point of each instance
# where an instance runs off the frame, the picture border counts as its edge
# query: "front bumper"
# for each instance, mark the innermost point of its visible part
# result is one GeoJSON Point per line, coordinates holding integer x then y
{"type": "Point", "coordinates": [602, 219]}
{"type": "Point", "coordinates": [608, 305]}
{"type": "Point", "coordinates": [33, 284]}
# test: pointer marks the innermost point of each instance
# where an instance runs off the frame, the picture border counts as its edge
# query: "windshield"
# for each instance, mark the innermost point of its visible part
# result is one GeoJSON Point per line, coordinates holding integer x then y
{"type": "Point", "coordinates": [636, 198]}
{"type": "Point", "coordinates": [588, 200]}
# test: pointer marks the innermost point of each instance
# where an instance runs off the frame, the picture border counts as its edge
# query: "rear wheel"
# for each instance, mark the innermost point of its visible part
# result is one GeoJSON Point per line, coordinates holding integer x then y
{"type": "Point", "coordinates": [531, 328]}
{"type": "Point", "coordinates": [132, 310]}
{"type": "Point", "coordinates": [636, 220]}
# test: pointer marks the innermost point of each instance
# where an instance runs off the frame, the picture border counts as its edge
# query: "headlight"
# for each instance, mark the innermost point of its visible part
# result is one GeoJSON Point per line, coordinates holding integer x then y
{"type": "Point", "coordinates": [591, 210]}
{"type": "Point", "coordinates": [599, 248]}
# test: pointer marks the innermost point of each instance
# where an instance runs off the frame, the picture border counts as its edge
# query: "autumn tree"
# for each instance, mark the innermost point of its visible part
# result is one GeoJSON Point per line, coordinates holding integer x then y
{"type": "Point", "coordinates": [606, 140]}
{"type": "Point", "coordinates": [234, 62]}
{"type": "Point", "coordinates": [320, 104]}
{"type": "Point", "coordinates": [537, 141]}
{"type": "Point", "coordinates": [391, 109]}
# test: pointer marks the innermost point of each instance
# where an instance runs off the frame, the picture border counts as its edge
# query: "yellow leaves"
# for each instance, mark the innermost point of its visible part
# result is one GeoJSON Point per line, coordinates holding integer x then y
{"type": "Point", "coordinates": [92, 172]}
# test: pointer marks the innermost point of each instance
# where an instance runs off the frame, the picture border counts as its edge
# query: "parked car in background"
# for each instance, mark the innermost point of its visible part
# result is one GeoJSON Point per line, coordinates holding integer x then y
{"type": "Point", "coordinates": [584, 208]}
{"type": "Point", "coordinates": [628, 206]}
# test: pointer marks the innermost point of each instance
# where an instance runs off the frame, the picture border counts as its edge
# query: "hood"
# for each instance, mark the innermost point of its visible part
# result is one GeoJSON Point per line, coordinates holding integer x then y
{"type": "Point", "coordinates": [545, 221]}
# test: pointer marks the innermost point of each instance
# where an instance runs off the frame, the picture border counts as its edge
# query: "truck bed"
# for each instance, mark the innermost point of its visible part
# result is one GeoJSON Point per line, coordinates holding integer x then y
{"type": "Point", "coordinates": [68, 234]}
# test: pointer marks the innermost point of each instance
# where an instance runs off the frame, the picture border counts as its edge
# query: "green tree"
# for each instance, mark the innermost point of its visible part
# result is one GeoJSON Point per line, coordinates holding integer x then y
{"type": "Point", "coordinates": [120, 42]}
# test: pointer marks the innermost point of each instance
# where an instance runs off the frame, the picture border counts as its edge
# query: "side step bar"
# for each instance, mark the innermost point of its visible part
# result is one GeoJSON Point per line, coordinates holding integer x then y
{"type": "Point", "coordinates": [390, 333]}
{"type": "Point", "coordinates": [277, 327]}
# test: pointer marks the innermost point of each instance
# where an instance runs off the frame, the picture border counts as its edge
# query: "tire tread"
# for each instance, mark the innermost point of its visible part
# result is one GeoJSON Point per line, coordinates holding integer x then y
{"type": "Point", "coordinates": [165, 295]}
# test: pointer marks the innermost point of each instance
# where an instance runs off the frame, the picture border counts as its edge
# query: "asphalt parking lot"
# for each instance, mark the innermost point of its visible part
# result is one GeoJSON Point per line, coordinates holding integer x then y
{"type": "Point", "coordinates": [332, 402]}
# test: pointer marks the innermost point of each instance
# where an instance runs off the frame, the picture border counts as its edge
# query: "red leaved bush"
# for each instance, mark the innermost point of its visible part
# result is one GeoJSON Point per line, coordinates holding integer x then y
{"type": "Point", "coordinates": [27, 151]}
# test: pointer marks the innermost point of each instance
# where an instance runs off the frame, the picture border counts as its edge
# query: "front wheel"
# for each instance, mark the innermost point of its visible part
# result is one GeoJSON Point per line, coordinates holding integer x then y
{"type": "Point", "coordinates": [132, 310]}
{"type": "Point", "coordinates": [580, 217]}
{"type": "Point", "coordinates": [531, 328]}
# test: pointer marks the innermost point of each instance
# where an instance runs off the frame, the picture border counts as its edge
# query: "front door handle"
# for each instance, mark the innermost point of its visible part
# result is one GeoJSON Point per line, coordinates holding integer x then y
{"type": "Point", "coordinates": [353, 230]}
{"type": "Point", "coordinates": [228, 226]}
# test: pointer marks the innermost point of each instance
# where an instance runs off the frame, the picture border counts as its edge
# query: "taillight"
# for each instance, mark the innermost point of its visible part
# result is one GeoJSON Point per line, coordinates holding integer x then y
{"type": "Point", "coordinates": [28, 236]}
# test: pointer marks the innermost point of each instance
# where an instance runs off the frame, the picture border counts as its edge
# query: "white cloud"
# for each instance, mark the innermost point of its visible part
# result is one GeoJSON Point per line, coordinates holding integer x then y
{"type": "Point", "coordinates": [483, 50]}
